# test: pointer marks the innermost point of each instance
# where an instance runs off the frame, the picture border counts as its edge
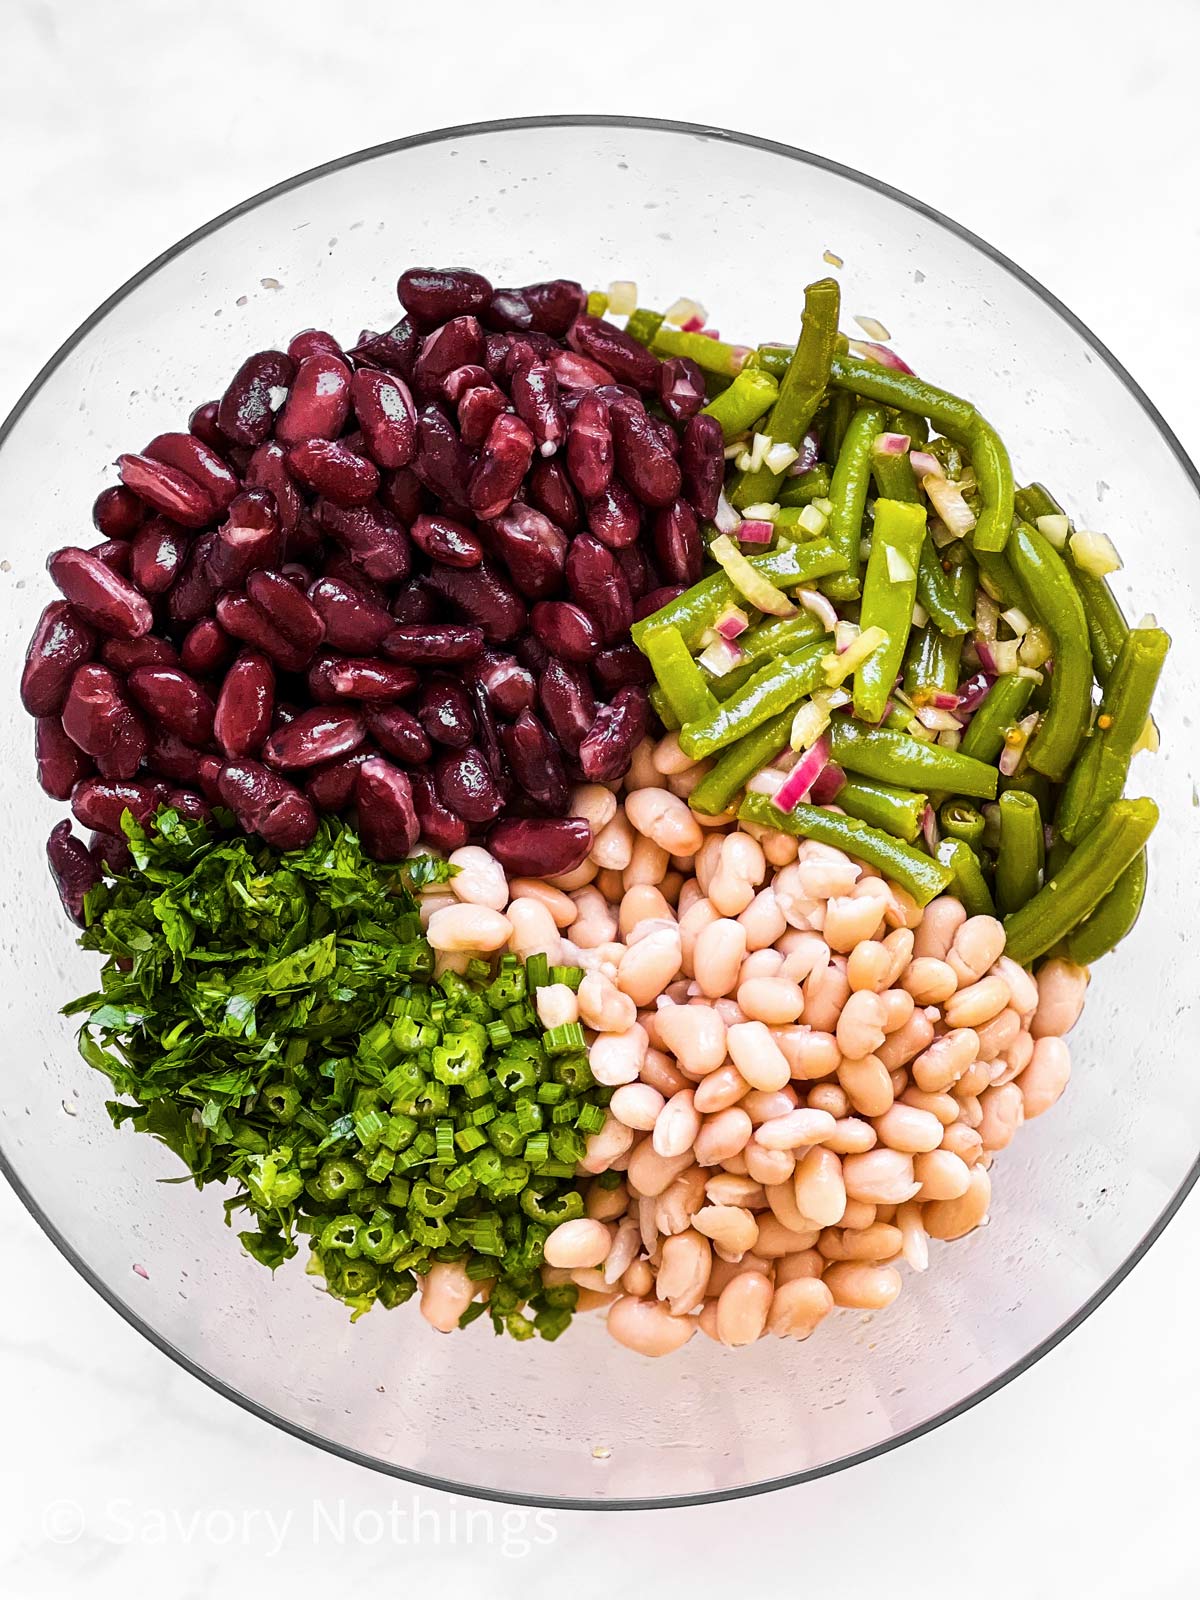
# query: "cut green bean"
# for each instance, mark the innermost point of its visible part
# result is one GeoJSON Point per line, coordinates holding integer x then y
{"type": "Point", "coordinates": [739, 407]}
{"type": "Point", "coordinates": [946, 596]}
{"type": "Point", "coordinates": [662, 709]}
{"type": "Point", "coordinates": [893, 474]}
{"type": "Point", "coordinates": [800, 390]}
{"type": "Point", "coordinates": [779, 635]}
{"type": "Point", "coordinates": [959, 819]}
{"type": "Point", "coordinates": [1045, 578]}
{"type": "Point", "coordinates": [999, 580]}
{"type": "Point", "coordinates": [898, 758]}
{"type": "Point", "coordinates": [851, 477]}
{"type": "Point", "coordinates": [1021, 856]}
{"type": "Point", "coordinates": [1078, 886]}
{"type": "Point", "coordinates": [1001, 709]}
{"type": "Point", "coordinates": [994, 476]}
{"type": "Point", "coordinates": [740, 762]}
{"type": "Point", "coordinates": [895, 811]}
{"type": "Point", "coordinates": [643, 325]}
{"type": "Point", "coordinates": [1106, 623]}
{"type": "Point", "coordinates": [812, 485]}
{"type": "Point", "coordinates": [966, 874]}
{"type": "Point", "coordinates": [678, 676]}
{"type": "Point", "coordinates": [917, 874]}
{"type": "Point", "coordinates": [710, 355]}
{"type": "Point", "coordinates": [903, 391]}
{"type": "Point", "coordinates": [1113, 918]}
{"type": "Point", "coordinates": [835, 420]}
{"type": "Point", "coordinates": [773, 689]}
{"type": "Point", "coordinates": [889, 595]}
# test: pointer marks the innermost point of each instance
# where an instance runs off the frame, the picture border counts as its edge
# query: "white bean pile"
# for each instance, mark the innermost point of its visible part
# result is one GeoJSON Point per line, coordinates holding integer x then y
{"type": "Point", "coordinates": [810, 1074]}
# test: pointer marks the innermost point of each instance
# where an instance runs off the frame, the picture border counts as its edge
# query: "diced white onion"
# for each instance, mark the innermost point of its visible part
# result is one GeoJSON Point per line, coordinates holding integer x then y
{"type": "Point", "coordinates": [762, 511]}
{"type": "Point", "coordinates": [873, 328]}
{"type": "Point", "coordinates": [726, 520]}
{"type": "Point", "coordinates": [1056, 529]}
{"type": "Point", "coordinates": [685, 310]}
{"type": "Point", "coordinates": [812, 521]}
{"type": "Point", "coordinates": [780, 457]}
{"type": "Point", "coordinates": [1094, 553]}
{"type": "Point", "coordinates": [899, 567]}
{"type": "Point", "coordinates": [622, 297]}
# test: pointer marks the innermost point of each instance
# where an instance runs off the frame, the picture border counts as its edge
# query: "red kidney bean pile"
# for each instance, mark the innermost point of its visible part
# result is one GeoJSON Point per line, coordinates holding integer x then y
{"type": "Point", "coordinates": [394, 581]}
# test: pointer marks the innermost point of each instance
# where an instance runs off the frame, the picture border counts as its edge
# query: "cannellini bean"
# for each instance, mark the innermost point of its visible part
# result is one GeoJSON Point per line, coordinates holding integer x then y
{"type": "Point", "coordinates": [595, 803]}
{"type": "Point", "coordinates": [880, 1176]}
{"type": "Point", "coordinates": [770, 999]}
{"type": "Point", "coordinates": [611, 885]}
{"type": "Point", "coordinates": [647, 862]}
{"type": "Point", "coordinates": [637, 1105]}
{"type": "Point", "coordinates": [804, 1264]}
{"type": "Point", "coordinates": [720, 1089]}
{"type": "Point", "coordinates": [728, 1189]}
{"type": "Point", "coordinates": [724, 1272]}
{"type": "Point", "coordinates": [756, 1056]}
{"type": "Point", "coordinates": [805, 952]}
{"type": "Point", "coordinates": [638, 1279]}
{"type": "Point", "coordinates": [947, 1058]}
{"type": "Point", "coordinates": [595, 922]}
{"type": "Point", "coordinates": [664, 818]}
{"type": "Point", "coordinates": [723, 1134]}
{"type": "Point", "coordinates": [849, 919]}
{"type": "Point", "coordinates": [977, 1003]}
{"type": "Point", "coordinates": [593, 1299]}
{"type": "Point", "coordinates": [900, 1047]}
{"type": "Point", "coordinates": [446, 1292]}
{"type": "Point", "coordinates": [675, 1207]}
{"type": "Point", "coordinates": [661, 1073]}
{"type": "Point", "coordinates": [560, 906]}
{"type": "Point", "coordinates": [582, 1242]}
{"type": "Point", "coordinates": [829, 1097]}
{"type": "Point", "coordinates": [826, 990]}
{"type": "Point", "coordinates": [742, 855]}
{"type": "Point", "coordinates": [606, 1204]}
{"type": "Point", "coordinates": [760, 964]}
{"type": "Point", "coordinates": [899, 946]}
{"type": "Point", "coordinates": [943, 1106]}
{"type": "Point", "coordinates": [942, 920]}
{"type": "Point", "coordinates": [604, 1007]}
{"type": "Point", "coordinates": [963, 1142]}
{"type": "Point", "coordinates": [452, 961]}
{"type": "Point", "coordinates": [797, 1128]}
{"type": "Point", "coordinates": [762, 920]}
{"type": "Point", "coordinates": [905, 1128]}
{"type": "Point", "coordinates": [862, 1288]}
{"type": "Point", "coordinates": [642, 903]}
{"type": "Point", "coordinates": [781, 1198]}
{"type": "Point", "coordinates": [729, 893]}
{"type": "Point", "coordinates": [669, 759]}
{"type": "Point", "coordinates": [717, 956]}
{"type": "Point", "coordinates": [851, 1137]}
{"type": "Point", "coordinates": [467, 928]}
{"type": "Point", "coordinates": [743, 1308]}
{"type": "Point", "coordinates": [584, 873]}
{"type": "Point", "coordinates": [647, 1327]}
{"type": "Point", "coordinates": [868, 1085]}
{"type": "Point", "coordinates": [825, 878]}
{"type": "Point", "coordinates": [431, 904]}
{"type": "Point", "coordinates": [776, 1240]}
{"type": "Point", "coordinates": [1003, 1114]}
{"type": "Point", "coordinates": [642, 772]}
{"type": "Point", "coordinates": [860, 1029]}
{"type": "Point", "coordinates": [612, 846]}
{"type": "Point", "coordinates": [557, 1005]}
{"type": "Point", "coordinates": [898, 1009]}
{"type": "Point", "coordinates": [695, 1035]}
{"type": "Point", "coordinates": [858, 1214]}
{"type": "Point", "coordinates": [1022, 986]}
{"type": "Point", "coordinates": [996, 1036]}
{"type": "Point", "coordinates": [797, 1307]}
{"type": "Point", "coordinates": [869, 966]}
{"type": "Point", "coordinates": [976, 945]}
{"type": "Point", "coordinates": [780, 849]}
{"type": "Point", "coordinates": [820, 1187]}
{"type": "Point", "coordinates": [649, 965]}
{"type": "Point", "coordinates": [649, 1173]}
{"type": "Point", "coordinates": [941, 1174]}
{"type": "Point", "coordinates": [973, 1081]}
{"type": "Point", "coordinates": [878, 1241]}
{"type": "Point", "coordinates": [647, 1218]}
{"type": "Point", "coordinates": [951, 1219]}
{"type": "Point", "coordinates": [760, 1105]}
{"type": "Point", "coordinates": [684, 1270]}
{"type": "Point", "coordinates": [606, 1146]}
{"type": "Point", "coordinates": [1046, 1076]}
{"type": "Point", "coordinates": [708, 859]}
{"type": "Point", "coordinates": [798, 908]}
{"type": "Point", "coordinates": [930, 981]}
{"type": "Point", "coordinates": [677, 1125]}
{"type": "Point", "coordinates": [1061, 987]}
{"type": "Point", "coordinates": [480, 880]}
{"type": "Point", "coordinates": [534, 931]}
{"type": "Point", "coordinates": [732, 1229]}
{"type": "Point", "coordinates": [765, 1166]}
{"type": "Point", "coordinates": [809, 1052]}
{"type": "Point", "coordinates": [699, 914]}
{"type": "Point", "coordinates": [617, 1058]}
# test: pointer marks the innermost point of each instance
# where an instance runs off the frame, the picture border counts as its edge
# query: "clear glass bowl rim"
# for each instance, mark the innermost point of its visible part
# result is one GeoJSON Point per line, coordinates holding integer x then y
{"type": "Point", "coordinates": [824, 164]}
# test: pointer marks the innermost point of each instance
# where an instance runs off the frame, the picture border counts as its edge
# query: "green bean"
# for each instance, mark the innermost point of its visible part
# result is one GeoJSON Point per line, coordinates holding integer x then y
{"type": "Point", "coordinates": [662, 707]}
{"type": "Point", "coordinates": [898, 758]}
{"type": "Point", "coordinates": [678, 676]}
{"type": "Point", "coordinates": [728, 684]}
{"type": "Point", "coordinates": [1077, 887]}
{"type": "Point", "coordinates": [739, 407]}
{"type": "Point", "coordinates": [966, 874]}
{"type": "Point", "coordinates": [945, 597]}
{"type": "Point", "coordinates": [914, 872]}
{"type": "Point", "coordinates": [1106, 623]}
{"type": "Point", "coordinates": [888, 600]}
{"type": "Point", "coordinates": [800, 390]}
{"type": "Point", "coordinates": [910, 423]}
{"type": "Point", "coordinates": [1057, 856]}
{"type": "Point", "coordinates": [740, 762]}
{"type": "Point", "coordinates": [1001, 709]}
{"type": "Point", "coordinates": [893, 474]}
{"type": "Point", "coordinates": [643, 324]}
{"type": "Point", "coordinates": [904, 391]}
{"type": "Point", "coordinates": [928, 669]}
{"type": "Point", "coordinates": [710, 355]}
{"type": "Point", "coordinates": [779, 635]}
{"type": "Point", "coordinates": [777, 686]}
{"type": "Point", "coordinates": [1113, 918]}
{"type": "Point", "coordinates": [1099, 776]}
{"type": "Point", "coordinates": [851, 476]}
{"type": "Point", "coordinates": [1035, 783]}
{"type": "Point", "coordinates": [994, 476]}
{"type": "Point", "coordinates": [809, 486]}
{"type": "Point", "coordinates": [1022, 851]}
{"type": "Point", "coordinates": [959, 819]}
{"type": "Point", "coordinates": [895, 811]}
{"type": "Point", "coordinates": [999, 580]}
{"type": "Point", "coordinates": [835, 421]}
{"type": "Point", "coordinates": [1041, 570]}
{"type": "Point", "coordinates": [696, 610]}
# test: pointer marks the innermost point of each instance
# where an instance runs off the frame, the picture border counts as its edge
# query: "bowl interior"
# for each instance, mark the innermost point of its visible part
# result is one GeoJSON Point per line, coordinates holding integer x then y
{"type": "Point", "coordinates": [742, 227]}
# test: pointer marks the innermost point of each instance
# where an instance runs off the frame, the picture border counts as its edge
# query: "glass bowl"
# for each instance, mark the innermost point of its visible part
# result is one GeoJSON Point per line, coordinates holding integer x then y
{"type": "Point", "coordinates": [741, 224]}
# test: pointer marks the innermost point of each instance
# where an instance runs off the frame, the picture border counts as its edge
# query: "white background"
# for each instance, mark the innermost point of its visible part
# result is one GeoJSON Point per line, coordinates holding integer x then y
{"type": "Point", "coordinates": [1068, 135]}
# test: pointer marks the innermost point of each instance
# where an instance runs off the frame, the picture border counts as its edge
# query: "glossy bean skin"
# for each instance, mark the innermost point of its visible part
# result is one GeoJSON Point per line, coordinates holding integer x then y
{"type": "Point", "coordinates": [445, 540]}
{"type": "Point", "coordinates": [117, 512]}
{"type": "Point", "coordinates": [613, 516]}
{"type": "Point", "coordinates": [287, 609]}
{"type": "Point", "coordinates": [532, 547]}
{"type": "Point", "coordinates": [244, 414]}
{"type": "Point", "coordinates": [266, 804]}
{"type": "Point", "coordinates": [166, 489]}
{"type": "Point", "coordinates": [444, 711]}
{"type": "Point", "coordinates": [383, 406]}
{"type": "Point", "coordinates": [249, 538]}
{"type": "Point", "coordinates": [98, 595]}
{"type": "Point", "coordinates": [362, 678]}
{"type": "Point", "coordinates": [267, 469]}
{"type": "Point", "coordinates": [536, 761]}
{"type": "Point", "coordinates": [156, 555]}
{"type": "Point", "coordinates": [543, 847]}
{"type": "Point", "coordinates": [97, 717]}
{"type": "Point", "coordinates": [387, 817]}
{"type": "Point", "coordinates": [599, 587]}
{"type": "Point", "coordinates": [421, 643]}
{"type": "Point", "coordinates": [534, 390]}
{"type": "Point", "coordinates": [245, 706]}
{"type": "Point", "coordinates": [242, 619]}
{"type": "Point", "coordinates": [318, 400]}
{"type": "Point", "coordinates": [458, 343]}
{"type": "Point", "coordinates": [628, 361]}
{"type": "Point", "coordinates": [62, 641]}
{"type": "Point", "coordinates": [678, 547]}
{"type": "Point", "coordinates": [100, 804]}
{"type": "Point", "coordinates": [549, 491]}
{"type": "Point", "coordinates": [702, 464]}
{"type": "Point", "coordinates": [566, 699]}
{"type": "Point", "coordinates": [643, 459]}
{"type": "Point", "coordinates": [440, 825]}
{"type": "Point", "coordinates": [398, 733]}
{"type": "Point", "coordinates": [204, 465]}
{"type": "Point", "coordinates": [352, 621]}
{"type": "Point", "coordinates": [483, 597]}
{"type": "Point", "coordinates": [60, 762]}
{"type": "Point", "coordinates": [174, 700]}
{"type": "Point", "coordinates": [544, 307]}
{"type": "Point", "coordinates": [589, 447]}
{"type": "Point", "coordinates": [72, 868]}
{"type": "Point", "coordinates": [606, 749]}
{"type": "Point", "coordinates": [432, 294]}
{"type": "Point", "coordinates": [567, 630]}
{"type": "Point", "coordinates": [312, 738]}
{"type": "Point", "coordinates": [372, 538]}
{"type": "Point", "coordinates": [466, 786]}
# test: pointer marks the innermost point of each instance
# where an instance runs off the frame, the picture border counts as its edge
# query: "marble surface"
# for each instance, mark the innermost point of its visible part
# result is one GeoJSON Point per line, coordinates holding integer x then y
{"type": "Point", "coordinates": [1069, 137]}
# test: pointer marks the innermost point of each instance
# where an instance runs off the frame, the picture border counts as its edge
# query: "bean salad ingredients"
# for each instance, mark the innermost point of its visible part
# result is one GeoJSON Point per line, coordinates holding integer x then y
{"type": "Point", "coordinates": [590, 817]}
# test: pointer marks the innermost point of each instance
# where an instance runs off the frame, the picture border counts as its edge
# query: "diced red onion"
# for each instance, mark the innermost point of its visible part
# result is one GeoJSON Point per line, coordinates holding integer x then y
{"type": "Point", "coordinates": [732, 624]}
{"type": "Point", "coordinates": [810, 451]}
{"type": "Point", "coordinates": [891, 444]}
{"type": "Point", "coordinates": [879, 353]}
{"type": "Point", "coordinates": [986, 659]}
{"type": "Point", "coordinates": [926, 465]}
{"type": "Point", "coordinates": [929, 829]}
{"type": "Point", "coordinates": [750, 532]}
{"type": "Point", "coordinates": [803, 775]}
{"type": "Point", "coordinates": [971, 695]}
{"type": "Point", "coordinates": [721, 657]}
{"type": "Point", "coordinates": [827, 786]}
{"type": "Point", "coordinates": [693, 325]}
{"type": "Point", "coordinates": [945, 702]}
{"type": "Point", "coordinates": [821, 607]}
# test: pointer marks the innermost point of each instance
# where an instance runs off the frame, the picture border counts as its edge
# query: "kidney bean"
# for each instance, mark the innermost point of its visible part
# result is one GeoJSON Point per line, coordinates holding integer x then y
{"type": "Point", "coordinates": [239, 616]}
{"type": "Point", "coordinates": [250, 537]}
{"type": "Point", "coordinates": [175, 700]}
{"type": "Point", "coordinates": [598, 585]}
{"type": "Point", "coordinates": [577, 373]}
{"type": "Point", "coordinates": [495, 353]}
{"type": "Point", "coordinates": [413, 642]}
{"type": "Point", "coordinates": [395, 350]}
{"type": "Point", "coordinates": [101, 805]}
{"type": "Point", "coordinates": [466, 786]}
{"type": "Point", "coordinates": [60, 761]}
{"type": "Point", "coordinates": [398, 733]}
{"type": "Point", "coordinates": [352, 620]}
{"type": "Point", "coordinates": [543, 848]}
{"type": "Point", "coordinates": [680, 387]}
{"type": "Point", "coordinates": [359, 678]}
{"type": "Point", "coordinates": [509, 687]}
{"type": "Point", "coordinates": [614, 516]}
{"type": "Point", "coordinates": [244, 413]}
{"type": "Point", "coordinates": [536, 762]}
{"type": "Point", "coordinates": [502, 464]}
{"type": "Point", "coordinates": [188, 804]}
{"type": "Point", "coordinates": [535, 396]}
{"type": "Point", "coordinates": [128, 750]}
{"type": "Point", "coordinates": [443, 539]}
{"type": "Point", "coordinates": [619, 727]}
{"type": "Point", "coordinates": [489, 736]}
{"type": "Point", "coordinates": [61, 642]}
{"type": "Point", "coordinates": [198, 461]}
{"type": "Point", "coordinates": [532, 653]}
{"type": "Point", "coordinates": [313, 738]}
{"type": "Point", "coordinates": [372, 538]}
{"type": "Point", "coordinates": [459, 380]}
{"type": "Point", "coordinates": [619, 667]}
{"type": "Point", "coordinates": [387, 818]}
{"type": "Point", "coordinates": [440, 826]}
{"type": "Point", "coordinates": [546, 307]}
{"type": "Point", "coordinates": [110, 852]}
{"type": "Point", "coordinates": [387, 416]}
{"type": "Point", "coordinates": [654, 601]}
{"type": "Point", "coordinates": [643, 459]}
{"type": "Point", "coordinates": [702, 463]}
{"type": "Point", "coordinates": [533, 549]}
{"type": "Point", "coordinates": [444, 711]}
{"type": "Point", "coordinates": [156, 555]}
{"type": "Point", "coordinates": [401, 493]}
{"type": "Point", "coordinates": [330, 468]}
{"type": "Point", "coordinates": [414, 604]}
{"type": "Point", "coordinates": [203, 423]}
{"type": "Point", "coordinates": [96, 715]}
{"type": "Point", "coordinates": [99, 595]}
{"type": "Point", "coordinates": [565, 629]}
{"type": "Point", "coordinates": [266, 804]}
{"type": "Point", "coordinates": [166, 489]}
{"type": "Point", "coordinates": [567, 701]}
{"type": "Point", "coordinates": [167, 756]}
{"type": "Point", "coordinates": [115, 554]}
{"type": "Point", "coordinates": [590, 447]}
{"type": "Point", "coordinates": [245, 706]}
{"type": "Point", "coordinates": [205, 649]}
{"type": "Point", "coordinates": [549, 490]}
{"type": "Point", "coordinates": [117, 512]}
{"type": "Point", "coordinates": [331, 788]}
{"type": "Point", "coordinates": [208, 775]}
{"type": "Point", "coordinates": [72, 868]}
{"type": "Point", "coordinates": [122, 655]}
{"type": "Point", "coordinates": [678, 547]}
{"type": "Point", "coordinates": [314, 341]}
{"type": "Point", "coordinates": [483, 596]}
{"type": "Point", "coordinates": [192, 594]}
{"type": "Point", "coordinates": [431, 294]}
{"type": "Point", "coordinates": [442, 463]}
{"type": "Point", "coordinates": [318, 401]}
{"type": "Point", "coordinates": [625, 358]}
{"type": "Point", "coordinates": [457, 343]}
{"type": "Point", "coordinates": [478, 409]}
{"type": "Point", "coordinates": [286, 608]}
{"type": "Point", "coordinates": [639, 574]}
{"type": "Point", "coordinates": [267, 469]}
